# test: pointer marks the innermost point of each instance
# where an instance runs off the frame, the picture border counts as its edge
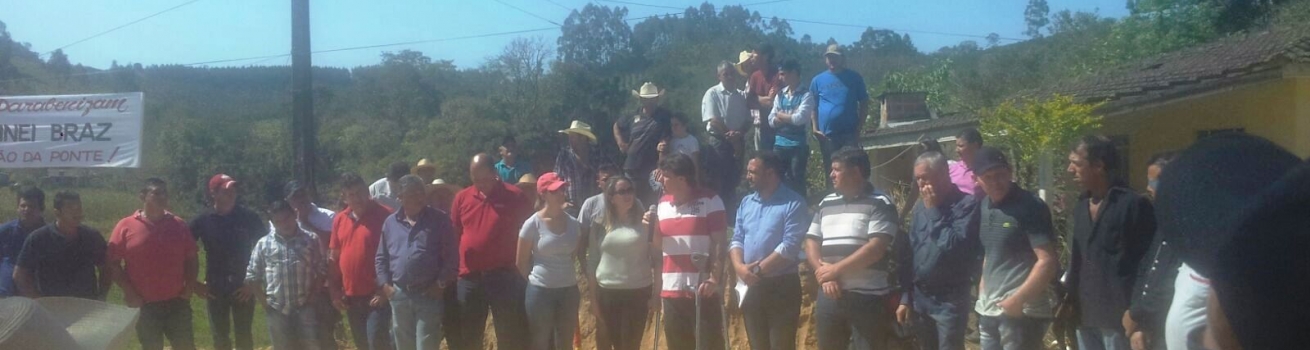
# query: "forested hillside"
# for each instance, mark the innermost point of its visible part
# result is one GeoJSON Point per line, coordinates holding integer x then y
{"type": "Point", "coordinates": [201, 120]}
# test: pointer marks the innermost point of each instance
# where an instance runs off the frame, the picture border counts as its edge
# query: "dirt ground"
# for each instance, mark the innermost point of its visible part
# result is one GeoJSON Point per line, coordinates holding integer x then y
{"type": "Point", "coordinates": [806, 338]}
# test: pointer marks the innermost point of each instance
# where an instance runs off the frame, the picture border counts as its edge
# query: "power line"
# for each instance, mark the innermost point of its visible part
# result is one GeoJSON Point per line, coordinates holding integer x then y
{"type": "Point", "coordinates": [826, 23]}
{"type": "Point", "coordinates": [352, 48]}
{"type": "Point", "coordinates": [566, 8]}
{"type": "Point", "coordinates": [527, 12]}
{"type": "Point", "coordinates": [122, 26]}
{"type": "Point", "coordinates": [640, 4]}
{"type": "Point", "coordinates": [894, 29]}
{"type": "Point", "coordinates": [766, 3]}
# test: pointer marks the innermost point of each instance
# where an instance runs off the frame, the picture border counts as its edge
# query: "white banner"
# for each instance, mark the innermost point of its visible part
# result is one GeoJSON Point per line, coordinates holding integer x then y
{"type": "Point", "coordinates": [101, 130]}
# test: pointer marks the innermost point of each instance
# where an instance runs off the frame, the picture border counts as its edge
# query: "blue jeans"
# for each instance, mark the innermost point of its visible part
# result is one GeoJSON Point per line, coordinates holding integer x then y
{"type": "Point", "coordinates": [370, 326]}
{"type": "Point", "coordinates": [941, 320]}
{"type": "Point", "coordinates": [297, 330]}
{"type": "Point", "coordinates": [501, 291]}
{"type": "Point", "coordinates": [796, 159]}
{"type": "Point", "coordinates": [772, 311]}
{"type": "Point", "coordinates": [1102, 339]}
{"type": "Point", "coordinates": [552, 316]}
{"type": "Point", "coordinates": [169, 318]}
{"type": "Point", "coordinates": [853, 315]}
{"type": "Point", "coordinates": [1005, 333]}
{"type": "Point", "coordinates": [226, 314]}
{"type": "Point", "coordinates": [416, 320]}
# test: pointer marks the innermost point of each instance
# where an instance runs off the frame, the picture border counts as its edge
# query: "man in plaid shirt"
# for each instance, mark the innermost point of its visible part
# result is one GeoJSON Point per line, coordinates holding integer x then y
{"type": "Point", "coordinates": [577, 164]}
{"type": "Point", "coordinates": [289, 265]}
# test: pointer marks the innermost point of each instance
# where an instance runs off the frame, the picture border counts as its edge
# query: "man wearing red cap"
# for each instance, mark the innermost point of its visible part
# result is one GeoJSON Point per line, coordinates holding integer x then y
{"type": "Point", "coordinates": [152, 257]}
{"type": "Point", "coordinates": [229, 232]}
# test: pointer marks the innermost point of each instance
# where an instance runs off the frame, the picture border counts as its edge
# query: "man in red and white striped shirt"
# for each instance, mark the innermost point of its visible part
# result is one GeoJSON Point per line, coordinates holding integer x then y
{"type": "Point", "coordinates": [692, 222]}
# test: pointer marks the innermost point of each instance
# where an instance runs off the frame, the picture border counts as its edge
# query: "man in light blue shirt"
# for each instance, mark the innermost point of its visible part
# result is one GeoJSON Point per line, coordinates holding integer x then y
{"type": "Point", "coordinates": [765, 250]}
{"type": "Point", "coordinates": [790, 119]}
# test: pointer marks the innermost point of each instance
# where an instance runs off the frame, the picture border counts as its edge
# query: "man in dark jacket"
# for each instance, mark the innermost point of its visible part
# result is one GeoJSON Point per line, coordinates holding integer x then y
{"type": "Point", "coordinates": [1113, 227]}
{"type": "Point", "coordinates": [938, 262]}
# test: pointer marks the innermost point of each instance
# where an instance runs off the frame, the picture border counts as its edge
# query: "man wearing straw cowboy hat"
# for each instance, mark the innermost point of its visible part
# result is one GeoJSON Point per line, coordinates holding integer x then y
{"type": "Point", "coordinates": [638, 137]}
{"type": "Point", "coordinates": [426, 170]}
{"type": "Point", "coordinates": [577, 164]}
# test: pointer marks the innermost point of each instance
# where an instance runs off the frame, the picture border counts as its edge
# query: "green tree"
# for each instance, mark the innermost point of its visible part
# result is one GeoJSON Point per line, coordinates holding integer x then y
{"type": "Point", "coordinates": [1035, 15]}
{"type": "Point", "coordinates": [1159, 26]}
{"type": "Point", "coordinates": [58, 64]}
{"type": "Point", "coordinates": [597, 36]}
{"type": "Point", "coordinates": [935, 80]}
{"type": "Point", "coordinates": [1032, 128]}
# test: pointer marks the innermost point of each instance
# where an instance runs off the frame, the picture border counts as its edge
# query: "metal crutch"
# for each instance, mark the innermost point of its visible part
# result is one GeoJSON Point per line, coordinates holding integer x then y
{"type": "Point", "coordinates": [700, 260]}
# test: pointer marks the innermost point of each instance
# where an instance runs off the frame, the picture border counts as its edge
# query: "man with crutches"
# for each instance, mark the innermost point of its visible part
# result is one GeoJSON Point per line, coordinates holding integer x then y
{"type": "Point", "coordinates": [691, 227]}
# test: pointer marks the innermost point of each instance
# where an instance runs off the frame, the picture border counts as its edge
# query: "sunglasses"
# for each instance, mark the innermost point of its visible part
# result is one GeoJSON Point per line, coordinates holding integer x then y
{"type": "Point", "coordinates": [625, 192]}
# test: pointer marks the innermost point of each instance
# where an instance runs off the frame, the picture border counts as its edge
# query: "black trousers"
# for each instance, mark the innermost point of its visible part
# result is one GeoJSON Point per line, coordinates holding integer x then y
{"type": "Point", "coordinates": [680, 323]}
{"type": "Point", "coordinates": [624, 311]}
{"type": "Point", "coordinates": [772, 310]}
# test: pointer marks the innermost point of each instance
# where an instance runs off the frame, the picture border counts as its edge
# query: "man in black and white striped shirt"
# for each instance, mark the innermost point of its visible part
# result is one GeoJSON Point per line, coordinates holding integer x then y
{"type": "Point", "coordinates": [847, 245]}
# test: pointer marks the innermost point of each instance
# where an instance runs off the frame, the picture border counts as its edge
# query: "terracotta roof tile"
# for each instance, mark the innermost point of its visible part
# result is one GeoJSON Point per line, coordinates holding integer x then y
{"type": "Point", "coordinates": [1193, 70]}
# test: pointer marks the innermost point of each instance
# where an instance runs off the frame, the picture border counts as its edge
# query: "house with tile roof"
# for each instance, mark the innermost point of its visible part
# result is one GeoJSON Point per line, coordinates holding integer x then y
{"type": "Point", "coordinates": [1256, 83]}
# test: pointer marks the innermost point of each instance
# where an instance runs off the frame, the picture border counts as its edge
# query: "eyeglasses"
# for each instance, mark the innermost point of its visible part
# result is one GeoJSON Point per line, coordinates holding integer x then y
{"type": "Point", "coordinates": [624, 192]}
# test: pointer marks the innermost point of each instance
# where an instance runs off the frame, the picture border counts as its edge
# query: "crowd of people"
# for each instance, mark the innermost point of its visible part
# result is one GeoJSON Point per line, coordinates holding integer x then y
{"type": "Point", "coordinates": [1199, 261]}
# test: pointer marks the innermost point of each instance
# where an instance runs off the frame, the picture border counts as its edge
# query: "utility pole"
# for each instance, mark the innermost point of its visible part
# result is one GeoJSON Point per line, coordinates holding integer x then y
{"type": "Point", "coordinates": [304, 130]}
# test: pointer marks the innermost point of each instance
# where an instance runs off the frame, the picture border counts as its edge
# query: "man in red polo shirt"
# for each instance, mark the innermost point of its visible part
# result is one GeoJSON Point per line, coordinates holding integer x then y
{"type": "Point", "coordinates": [487, 216]}
{"type": "Point", "coordinates": [152, 257]}
{"type": "Point", "coordinates": [356, 232]}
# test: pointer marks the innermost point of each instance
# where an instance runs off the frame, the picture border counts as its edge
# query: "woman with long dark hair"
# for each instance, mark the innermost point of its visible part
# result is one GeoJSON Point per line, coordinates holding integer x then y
{"type": "Point", "coordinates": [621, 263]}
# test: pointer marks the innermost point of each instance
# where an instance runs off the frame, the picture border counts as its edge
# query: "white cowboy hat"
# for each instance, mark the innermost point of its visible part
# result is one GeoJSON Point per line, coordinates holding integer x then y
{"type": "Point", "coordinates": [580, 128]}
{"type": "Point", "coordinates": [64, 323]}
{"type": "Point", "coordinates": [648, 90]}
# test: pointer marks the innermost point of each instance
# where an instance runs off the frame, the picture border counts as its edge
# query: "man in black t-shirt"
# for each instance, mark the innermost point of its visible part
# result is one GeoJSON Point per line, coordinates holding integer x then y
{"type": "Point", "coordinates": [638, 137]}
{"type": "Point", "coordinates": [228, 232]}
{"type": "Point", "coordinates": [61, 259]}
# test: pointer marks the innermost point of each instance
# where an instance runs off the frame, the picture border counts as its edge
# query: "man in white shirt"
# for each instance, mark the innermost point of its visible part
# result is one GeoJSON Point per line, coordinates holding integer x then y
{"type": "Point", "coordinates": [727, 117]}
{"type": "Point", "coordinates": [381, 190]}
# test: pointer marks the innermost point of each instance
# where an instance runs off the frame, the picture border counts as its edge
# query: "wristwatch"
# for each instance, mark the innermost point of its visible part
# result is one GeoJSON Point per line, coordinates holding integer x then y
{"type": "Point", "coordinates": [755, 269]}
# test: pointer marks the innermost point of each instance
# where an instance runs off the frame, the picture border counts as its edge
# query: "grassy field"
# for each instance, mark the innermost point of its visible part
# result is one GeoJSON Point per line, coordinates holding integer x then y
{"type": "Point", "coordinates": [103, 208]}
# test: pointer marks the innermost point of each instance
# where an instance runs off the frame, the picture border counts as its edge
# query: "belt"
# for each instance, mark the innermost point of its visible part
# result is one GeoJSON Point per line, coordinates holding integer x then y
{"type": "Point", "coordinates": [483, 273]}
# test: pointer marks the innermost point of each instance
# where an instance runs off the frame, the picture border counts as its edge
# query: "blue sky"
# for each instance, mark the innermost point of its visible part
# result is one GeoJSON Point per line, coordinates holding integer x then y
{"type": "Point", "coordinates": [210, 30]}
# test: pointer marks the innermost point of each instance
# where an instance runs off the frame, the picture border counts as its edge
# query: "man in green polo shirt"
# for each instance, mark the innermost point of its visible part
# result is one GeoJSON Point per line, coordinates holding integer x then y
{"type": "Point", "coordinates": [1019, 259]}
